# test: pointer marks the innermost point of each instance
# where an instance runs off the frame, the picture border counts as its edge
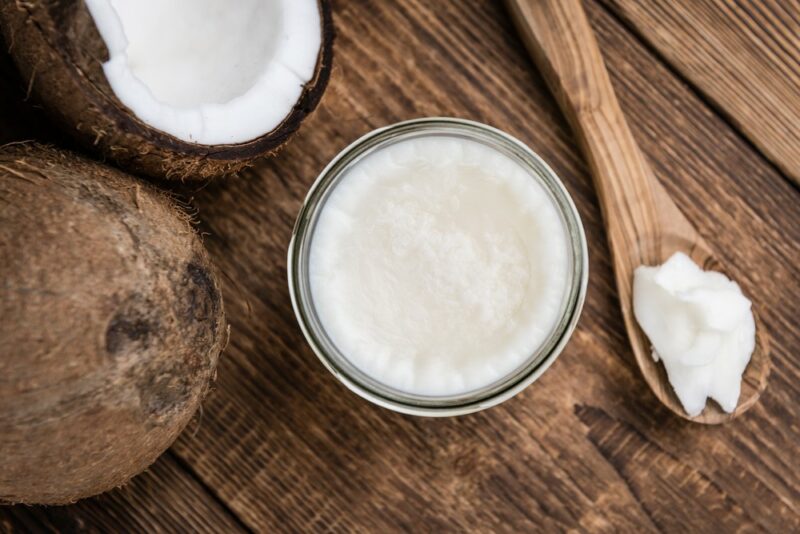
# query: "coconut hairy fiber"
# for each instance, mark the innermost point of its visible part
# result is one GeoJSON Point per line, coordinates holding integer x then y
{"type": "Point", "coordinates": [112, 325]}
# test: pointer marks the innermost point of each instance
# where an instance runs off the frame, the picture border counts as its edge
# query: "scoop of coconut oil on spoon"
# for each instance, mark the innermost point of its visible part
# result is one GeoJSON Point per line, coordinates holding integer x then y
{"type": "Point", "coordinates": [704, 327]}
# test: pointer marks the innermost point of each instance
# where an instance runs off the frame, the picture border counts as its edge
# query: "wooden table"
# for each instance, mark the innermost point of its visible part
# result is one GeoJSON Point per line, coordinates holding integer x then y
{"type": "Point", "coordinates": [712, 92]}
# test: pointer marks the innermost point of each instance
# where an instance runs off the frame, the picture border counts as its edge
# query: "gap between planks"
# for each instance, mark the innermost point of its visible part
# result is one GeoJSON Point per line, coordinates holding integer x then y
{"type": "Point", "coordinates": [709, 101]}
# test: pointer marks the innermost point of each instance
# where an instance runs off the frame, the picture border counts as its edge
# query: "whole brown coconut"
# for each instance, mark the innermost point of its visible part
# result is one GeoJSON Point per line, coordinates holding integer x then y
{"type": "Point", "coordinates": [112, 325]}
{"type": "Point", "coordinates": [59, 53]}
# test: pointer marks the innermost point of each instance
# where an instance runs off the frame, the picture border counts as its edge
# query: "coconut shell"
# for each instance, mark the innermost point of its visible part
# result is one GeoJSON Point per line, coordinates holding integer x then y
{"type": "Point", "coordinates": [59, 53]}
{"type": "Point", "coordinates": [112, 325]}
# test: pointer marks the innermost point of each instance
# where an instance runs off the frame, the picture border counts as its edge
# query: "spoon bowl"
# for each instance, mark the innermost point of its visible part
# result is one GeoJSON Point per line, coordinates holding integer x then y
{"type": "Point", "coordinates": [754, 378]}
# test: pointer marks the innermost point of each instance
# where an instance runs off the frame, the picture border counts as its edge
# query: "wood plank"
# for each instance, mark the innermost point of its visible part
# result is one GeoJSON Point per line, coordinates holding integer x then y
{"type": "Point", "coordinates": [632, 455]}
{"type": "Point", "coordinates": [162, 499]}
{"type": "Point", "coordinates": [743, 55]}
{"type": "Point", "coordinates": [288, 448]}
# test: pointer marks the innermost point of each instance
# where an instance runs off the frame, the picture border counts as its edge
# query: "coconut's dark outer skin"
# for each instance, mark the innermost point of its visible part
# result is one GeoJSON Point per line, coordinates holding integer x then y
{"type": "Point", "coordinates": [59, 52]}
{"type": "Point", "coordinates": [112, 325]}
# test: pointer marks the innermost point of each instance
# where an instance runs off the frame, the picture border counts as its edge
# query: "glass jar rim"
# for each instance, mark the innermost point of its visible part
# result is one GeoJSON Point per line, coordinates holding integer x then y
{"type": "Point", "coordinates": [375, 391]}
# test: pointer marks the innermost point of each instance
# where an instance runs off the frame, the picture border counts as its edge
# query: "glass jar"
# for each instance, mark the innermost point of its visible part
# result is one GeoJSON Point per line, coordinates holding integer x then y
{"type": "Point", "coordinates": [386, 396]}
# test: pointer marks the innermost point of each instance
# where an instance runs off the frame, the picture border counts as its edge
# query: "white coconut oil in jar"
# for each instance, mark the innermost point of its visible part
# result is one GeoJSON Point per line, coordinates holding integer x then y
{"type": "Point", "coordinates": [438, 266]}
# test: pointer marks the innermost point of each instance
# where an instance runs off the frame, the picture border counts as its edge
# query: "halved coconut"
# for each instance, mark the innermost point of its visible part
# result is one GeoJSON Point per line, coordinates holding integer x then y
{"type": "Point", "coordinates": [179, 88]}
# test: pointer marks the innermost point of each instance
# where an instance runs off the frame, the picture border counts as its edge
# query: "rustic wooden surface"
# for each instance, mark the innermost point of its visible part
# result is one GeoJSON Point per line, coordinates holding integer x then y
{"type": "Point", "coordinates": [282, 446]}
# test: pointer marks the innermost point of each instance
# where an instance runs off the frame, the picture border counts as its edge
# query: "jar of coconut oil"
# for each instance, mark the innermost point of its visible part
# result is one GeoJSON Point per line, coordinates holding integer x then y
{"type": "Point", "coordinates": [438, 267]}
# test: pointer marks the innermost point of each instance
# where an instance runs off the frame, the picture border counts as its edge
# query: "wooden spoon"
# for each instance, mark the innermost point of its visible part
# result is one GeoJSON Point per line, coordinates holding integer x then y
{"type": "Point", "coordinates": [643, 224]}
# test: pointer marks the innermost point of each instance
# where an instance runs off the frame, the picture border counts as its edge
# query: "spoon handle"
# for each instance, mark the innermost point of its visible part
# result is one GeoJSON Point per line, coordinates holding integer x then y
{"type": "Point", "coordinates": [558, 35]}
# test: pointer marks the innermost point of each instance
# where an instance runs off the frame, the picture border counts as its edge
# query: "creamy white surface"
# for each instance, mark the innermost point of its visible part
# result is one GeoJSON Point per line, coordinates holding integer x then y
{"type": "Point", "coordinates": [209, 71]}
{"type": "Point", "coordinates": [701, 327]}
{"type": "Point", "coordinates": [438, 266]}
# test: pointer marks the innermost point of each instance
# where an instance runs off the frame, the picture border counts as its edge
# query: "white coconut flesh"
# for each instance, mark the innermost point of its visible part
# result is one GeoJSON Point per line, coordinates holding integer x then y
{"type": "Point", "coordinates": [209, 72]}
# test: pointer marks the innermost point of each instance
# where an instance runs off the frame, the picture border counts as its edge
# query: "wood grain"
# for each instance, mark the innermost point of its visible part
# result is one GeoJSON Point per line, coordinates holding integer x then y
{"type": "Point", "coordinates": [643, 224]}
{"type": "Point", "coordinates": [287, 448]}
{"type": "Point", "coordinates": [632, 454]}
{"type": "Point", "coordinates": [743, 55]}
{"type": "Point", "coordinates": [163, 499]}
